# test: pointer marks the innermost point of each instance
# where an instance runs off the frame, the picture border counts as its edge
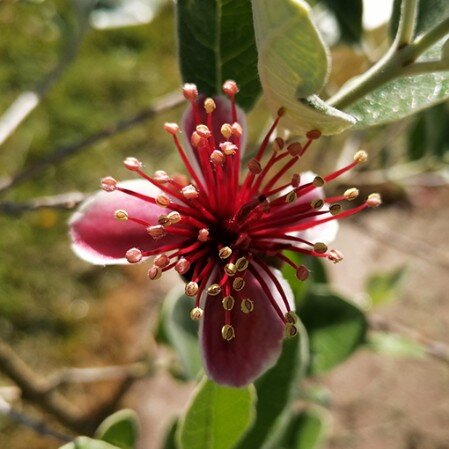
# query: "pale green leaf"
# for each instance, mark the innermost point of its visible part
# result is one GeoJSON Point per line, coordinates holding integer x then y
{"type": "Point", "coordinates": [395, 345]}
{"type": "Point", "coordinates": [181, 332]}
{"type": "Point", "coordinates": [120, 429]}
{"type": "Point", "coordinates": [293, 66]}
{"type": "Point", "coordinates": [217, 417]}
{"type": "Point", "coordinates": [383, 288]}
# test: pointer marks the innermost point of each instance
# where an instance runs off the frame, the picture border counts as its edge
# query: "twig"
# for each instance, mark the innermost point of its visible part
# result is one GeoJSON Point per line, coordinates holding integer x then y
{"type": "Point", "coordinates": [63, 201]}
{"type": "Point", "coordinates": [165, 103]}
{"type": "Point", "coordinates": [135, 370]}
{"type": "Point", "coordinates": [37, 426]}
{"type": "Point", "coordinates": [435, 349]}
{"type": "Point", "coordinates": [37, 391]}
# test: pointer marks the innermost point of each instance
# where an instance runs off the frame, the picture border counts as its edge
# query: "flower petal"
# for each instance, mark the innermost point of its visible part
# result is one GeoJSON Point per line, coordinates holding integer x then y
{"type": "Point", "coordinates": [99, 238]}
{"type": "Point", "coordinates": [222, 114]}
{"type": "Point", "coordinates": [258, 335]}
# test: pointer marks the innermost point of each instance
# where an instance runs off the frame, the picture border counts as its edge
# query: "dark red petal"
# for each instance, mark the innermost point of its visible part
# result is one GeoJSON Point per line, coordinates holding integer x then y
{"type": "Point", "coordinates": [258, 335]}
{"type": "Point", "coordinates": [99, 238]}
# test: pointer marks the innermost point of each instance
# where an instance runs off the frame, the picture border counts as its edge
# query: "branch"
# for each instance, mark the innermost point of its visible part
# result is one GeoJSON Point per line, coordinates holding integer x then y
{"type": "Point", "coordinates": [65, 201]}
{"type": "Point", "coordinates": [407, 23]}
{"type": "Point", "coordinates": [37, 391]}
{"type": "Point", "coordinates": [435, 349]}
{"type": "Point", "coordinates": [165, 103]}
{"type": "Point", "coordinates": [37, 426]}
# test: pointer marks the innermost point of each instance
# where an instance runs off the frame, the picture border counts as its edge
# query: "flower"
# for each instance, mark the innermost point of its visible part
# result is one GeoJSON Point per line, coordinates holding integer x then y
{"type": "Point", "coordinates": [223, 232]}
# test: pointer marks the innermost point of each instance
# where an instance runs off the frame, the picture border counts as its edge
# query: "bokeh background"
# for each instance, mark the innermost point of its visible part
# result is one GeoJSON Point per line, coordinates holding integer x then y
{"type": "Point", "coordinates": [57, 311]}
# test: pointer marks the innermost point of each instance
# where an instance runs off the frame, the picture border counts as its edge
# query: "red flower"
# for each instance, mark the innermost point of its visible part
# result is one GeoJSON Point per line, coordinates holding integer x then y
{"type": "Point", "coordinates": [222, 232]}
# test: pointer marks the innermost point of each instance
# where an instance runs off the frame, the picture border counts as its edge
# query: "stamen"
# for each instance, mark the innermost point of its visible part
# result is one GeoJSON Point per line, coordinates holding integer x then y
{"type": "Point", "coordinates": [132, 164]}
{"type": "Point", "coordinates": [230, 269]}
{"type": "Point", "coordinates": [154, 273]}
{"type": "Point", "coordinates": [238, 284]}
{"type": "Point", "coordinates": [290, 330]}
{"type": "Point", "coordinates": [302, 273]}
{"type": "Point", "coordinates": [209, 105]}
{"type": "Point", "coordinates": [214, 290]}
{"type": "Point", "coordinates": [182, 266]}
{"type": "Point", "coordinates": [242, 264]}
{"type": "Point", "coordinates": [226, 130]}
{"type": "Point", "coordinates": [335, 256]}
{"type": "Point", "coordinates": [171, 128]}
{"type": "Point", "coordinates": [162, 260]}
{"type": "Point", "coordinates": [121, 215]}
{"type": "Point", "coordinates": [162, 200]}
{"type": "Point", "coordinates": [133, 255]}
{"type": "Point", "coordinates": [196, 313]}
{"type": "Point", "coordinates": [228, 332]}
{"type": "Point", "coordinates": [290, 317]}
{"type": "Point", "coordinates": [295, 149]}
{"type": "Point", "coordinates": [374, 200]}
{"type": "Point", "coordinates": [203, 235]}
{"type": "Point", "coordinates": [228, 302]}
{"type": "Point", "coordinates": [247, 305]}
{"type": "Point", "coordinates": [157, 231]}
{"type": "Point", "coordinates": [190, 91]}
{"type": "Point", "coordinates": [351, 194]}
{"type": "Point", "coordinates": [225, 252]}
{"type": "Point", "coordinates": [320, 247]}
{"type": "Point", "coordinates": [161, 176]}
{"type": "Point", "coordinates": [174, 217]}
{"type": "Point", "coordinates": [191, 288]}
{"type": "Point", "coordinates": [190, 192]}
{"type": "Point", "coordinates": [108, 184]}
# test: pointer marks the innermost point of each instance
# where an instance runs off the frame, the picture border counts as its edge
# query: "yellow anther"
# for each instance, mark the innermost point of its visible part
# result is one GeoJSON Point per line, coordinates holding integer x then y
{"type": "Point", "coordinates": [225, 252]}
{"type": "Point", "coordinates": [230, 269]}
{"type": "Point", "coordinates": [247, 305]}
{"type": "Point", "coordinates": [290, 330]}
{"type": "Point", "coordinates": [196, 313]}
{"type": "Point", "coordinates": [374, 200]}
{"type": "Point", "coordinates": [174, 217]}
{"type": "Point", "coordinates": [227, 332]}
{"type": "Point", "coordinates": [214, 290]}
{"type": "Point", "coordinates": [320, 247]}
{"type": "Point", "coordinates": [238, 284]}
{"type": "Point", "coordinates": [191, 288]}
{"type": "Point", "coordinates": [290, 317]}
{"type": "Point", "coordinates": [351, 194]}
{"type": "Point", "coordinates": [226, 130]}
{"type": "Point", "coordinates": [361, 156]}
{"type": "Point", "coordinates": [242, 264]}
{"type": "Point", "coordinates": [209, 105]}
{"type": "Point", "coordinates": [317, 204]}
{"type": "Point", "coordinates": [318, 181]}
{"type": "Point", "coordinates": [228, 302]}
{"type": "Point", "coordinates": [121, 215]}
{"type": "Point", "coordinates": [291, 197]}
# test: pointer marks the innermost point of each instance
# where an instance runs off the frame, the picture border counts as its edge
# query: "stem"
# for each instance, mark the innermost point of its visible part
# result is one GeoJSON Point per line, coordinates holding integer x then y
{"type": "Point", "coordinates": [425, 41]}
{"type": "Point", "coordinates": [419, 68]}
{"type": "Point", "coordinates": [407, 23]}
{"type": "Point", "coordinates": [396, 62]}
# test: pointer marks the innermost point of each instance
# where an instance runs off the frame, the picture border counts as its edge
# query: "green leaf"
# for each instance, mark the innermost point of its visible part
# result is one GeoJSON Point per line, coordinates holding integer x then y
{"type": "Point", "coordinates": [349, 14]}
{"type": "Point", "coordinates": [181, 332]}
{"type": "Point", "coordinates": [336, 328]}
{"type": "Point", "coordinates": [217, 417]}
{"type": "Point", "coordinates": [216, 43]}
{"type": "Point", "coordinates": [293, 66]}
{"type": "Point", "coordinates": [170, 438]}
{"type": "Point", "coordinates": [306, 430]}
{"type": "Point", "coordinates": [383, 288]}
{"type": "Point", "coordinates": [276, 390]}
{"type": "Point", "coordinates": [429, 135]}
{"type": "Point", "coordinates": [395, 345]}
{"type": "Point", "coordinates": [87, 443]}
{"type": "Point", "coordinates": [408, 95]}
{"type": "Point", "coordinates": [120, 429]}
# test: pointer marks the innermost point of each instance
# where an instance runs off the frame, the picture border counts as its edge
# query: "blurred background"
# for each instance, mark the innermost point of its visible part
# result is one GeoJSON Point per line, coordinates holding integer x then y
{"type": "Point", "coordinates": [98, 78]}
